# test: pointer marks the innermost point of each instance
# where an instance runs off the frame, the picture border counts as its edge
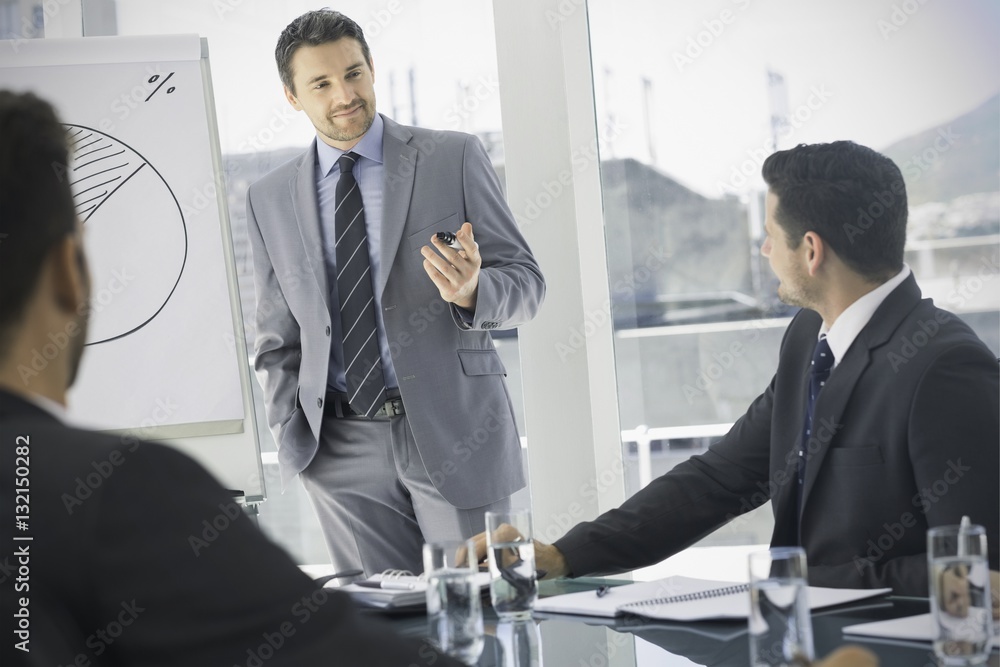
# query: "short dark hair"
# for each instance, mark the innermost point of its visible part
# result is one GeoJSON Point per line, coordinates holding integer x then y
{"type": "Point", "coordinates": [36, 204]}
{"type": "Point", "coordinates": [313, 29]}
{"type": "Point", "coordinates": [851, 196]}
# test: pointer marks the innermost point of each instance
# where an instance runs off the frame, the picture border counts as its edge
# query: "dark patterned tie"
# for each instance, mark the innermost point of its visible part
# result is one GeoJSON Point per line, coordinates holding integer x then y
{"type": "Point", "coordinates": [819, 372]}
{"type": "Point", "coordinates": [365, 383]}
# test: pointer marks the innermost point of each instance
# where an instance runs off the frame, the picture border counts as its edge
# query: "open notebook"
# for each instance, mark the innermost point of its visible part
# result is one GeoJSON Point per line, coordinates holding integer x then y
{"type": "Point", "coordinates": [684, 599]}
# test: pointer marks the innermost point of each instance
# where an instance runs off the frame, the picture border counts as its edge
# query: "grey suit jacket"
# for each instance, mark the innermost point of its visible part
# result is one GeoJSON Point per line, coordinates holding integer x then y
{"type": "Point", "coordinates": [450, 376]}
{"type": "Point", "coordinates": [907, 436]}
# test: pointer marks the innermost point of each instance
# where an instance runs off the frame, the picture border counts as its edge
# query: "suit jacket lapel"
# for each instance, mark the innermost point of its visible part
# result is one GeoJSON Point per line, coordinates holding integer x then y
{"type": "Point", "coordinates": [306, 208]}
{"type": "Point", "coordinates": [829, 410]}
{"type": "Point", "coordinates": [400, 161]}
{"type": "Point", "coordinates": [786, 427]}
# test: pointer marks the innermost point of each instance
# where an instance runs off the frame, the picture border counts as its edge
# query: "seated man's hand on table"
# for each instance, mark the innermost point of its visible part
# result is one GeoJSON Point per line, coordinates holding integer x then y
{"type": "Point", "coordinates": [547, 557]}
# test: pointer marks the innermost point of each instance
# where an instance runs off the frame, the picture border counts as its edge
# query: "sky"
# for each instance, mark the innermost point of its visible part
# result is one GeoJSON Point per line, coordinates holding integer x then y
{"type": "Point", "coordinates": [873, 71]}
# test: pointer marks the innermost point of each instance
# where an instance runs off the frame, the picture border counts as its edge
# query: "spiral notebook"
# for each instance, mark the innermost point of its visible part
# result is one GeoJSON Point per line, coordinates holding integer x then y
{"type": "Point", "coordinates": [685, 599]}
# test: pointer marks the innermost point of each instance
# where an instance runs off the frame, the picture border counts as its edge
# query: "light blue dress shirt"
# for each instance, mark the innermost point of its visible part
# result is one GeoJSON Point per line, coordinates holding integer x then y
{"type": "Point", "coordinates": [369, 172]}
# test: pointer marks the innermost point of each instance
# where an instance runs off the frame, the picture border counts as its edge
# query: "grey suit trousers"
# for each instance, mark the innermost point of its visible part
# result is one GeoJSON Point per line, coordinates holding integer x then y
{"type": "Point", "coordinates": [374, 497]}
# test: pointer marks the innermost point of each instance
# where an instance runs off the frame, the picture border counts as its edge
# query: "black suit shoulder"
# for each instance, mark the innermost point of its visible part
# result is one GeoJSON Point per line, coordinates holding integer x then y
{"type": "Point", "coordinates": [138, 556]}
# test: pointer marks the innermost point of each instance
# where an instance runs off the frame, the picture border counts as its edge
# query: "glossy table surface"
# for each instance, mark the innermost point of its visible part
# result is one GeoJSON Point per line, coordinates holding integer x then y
{"type": "Point", "coordinates": [576, 641]}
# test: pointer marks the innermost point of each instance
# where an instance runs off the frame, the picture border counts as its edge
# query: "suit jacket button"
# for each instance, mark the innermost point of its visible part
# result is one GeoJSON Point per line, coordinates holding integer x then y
{"type": "Point", "coordinates": [319, 402]}
{"type": "Point", "coordinates": [328, 331]}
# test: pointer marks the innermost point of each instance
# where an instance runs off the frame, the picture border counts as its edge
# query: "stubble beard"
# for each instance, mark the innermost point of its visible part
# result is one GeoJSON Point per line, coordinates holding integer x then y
{"type": "Point", "coordinates": [335, 133]}
{"type": "Point", "coordinates": [798, 293]}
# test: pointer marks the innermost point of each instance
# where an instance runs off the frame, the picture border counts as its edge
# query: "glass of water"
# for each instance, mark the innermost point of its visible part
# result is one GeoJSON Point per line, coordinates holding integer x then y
{"type": "Point", "coordinates": [454, 610]}
{"type": "Point", "coordinates": [780, 625]}
{"type": "Point", "coordinates": [511, 557]}
{"type": "Point", "coordinates": [961, 605]}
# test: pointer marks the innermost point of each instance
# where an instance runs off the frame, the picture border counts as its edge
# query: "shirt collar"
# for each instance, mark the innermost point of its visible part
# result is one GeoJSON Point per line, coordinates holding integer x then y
{"type": "Point", "coordinates": [369, 147]}
{"type": "Point", "coordinates": [850, 323]}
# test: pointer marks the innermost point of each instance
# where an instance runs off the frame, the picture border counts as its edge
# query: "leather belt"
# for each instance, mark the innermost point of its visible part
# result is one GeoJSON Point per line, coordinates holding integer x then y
{"type": "Point", "coordinates": [337, 406]}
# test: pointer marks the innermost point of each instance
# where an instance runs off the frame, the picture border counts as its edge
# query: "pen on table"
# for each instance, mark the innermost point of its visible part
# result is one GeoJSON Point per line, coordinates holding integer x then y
{"type": "Point", "coordinates": [388, 585]}
{"type": "Point", "coordinates": [602, 591]}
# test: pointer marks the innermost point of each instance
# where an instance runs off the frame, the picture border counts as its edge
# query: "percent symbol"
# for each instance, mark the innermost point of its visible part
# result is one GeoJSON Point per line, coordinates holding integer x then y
{"type": "Point", "coordinates": [154, 78]}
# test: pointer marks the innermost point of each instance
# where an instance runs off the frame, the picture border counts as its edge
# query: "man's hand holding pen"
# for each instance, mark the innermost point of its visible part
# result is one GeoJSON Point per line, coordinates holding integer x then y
{"type": "Point", "coordinates": [455, 272]}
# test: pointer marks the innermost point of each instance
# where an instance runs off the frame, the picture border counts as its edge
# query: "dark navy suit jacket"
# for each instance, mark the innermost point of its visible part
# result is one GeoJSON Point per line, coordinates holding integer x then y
{"type": "Point", "coordinates": [906, 435]}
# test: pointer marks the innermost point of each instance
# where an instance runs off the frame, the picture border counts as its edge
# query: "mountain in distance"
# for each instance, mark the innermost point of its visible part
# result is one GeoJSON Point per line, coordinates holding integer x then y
{"type": "Point", "coordinates": [959, 157]}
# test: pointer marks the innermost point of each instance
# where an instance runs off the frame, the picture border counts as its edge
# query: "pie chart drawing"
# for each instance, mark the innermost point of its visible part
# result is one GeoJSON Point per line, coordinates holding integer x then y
{"type": "Point", "coordinates": [135, 233]}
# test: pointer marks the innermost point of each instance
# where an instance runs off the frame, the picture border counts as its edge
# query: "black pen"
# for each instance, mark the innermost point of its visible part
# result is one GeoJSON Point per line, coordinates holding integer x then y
{"type": "Point", "coordinates": [602, 591]}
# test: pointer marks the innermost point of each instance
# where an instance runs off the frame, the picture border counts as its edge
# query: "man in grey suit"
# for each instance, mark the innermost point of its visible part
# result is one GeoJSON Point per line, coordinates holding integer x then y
{"type": "Point", "coordinates": [404, 432]}
{"type": "Point", "coordinates": [899, 433]}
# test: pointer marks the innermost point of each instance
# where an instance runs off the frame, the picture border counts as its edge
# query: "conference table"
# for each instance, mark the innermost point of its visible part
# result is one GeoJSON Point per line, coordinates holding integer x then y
{"type": "Point", "coordinates": [576, 641]}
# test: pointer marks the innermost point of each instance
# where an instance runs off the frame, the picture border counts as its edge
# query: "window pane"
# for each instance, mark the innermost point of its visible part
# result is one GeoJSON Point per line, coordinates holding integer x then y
{"type": "Point", "coordinates": [692, 97]}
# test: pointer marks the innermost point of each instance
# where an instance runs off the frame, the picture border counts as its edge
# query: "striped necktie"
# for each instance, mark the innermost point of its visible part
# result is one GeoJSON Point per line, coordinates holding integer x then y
{"type": "Point", "coordinates": [365, 383]}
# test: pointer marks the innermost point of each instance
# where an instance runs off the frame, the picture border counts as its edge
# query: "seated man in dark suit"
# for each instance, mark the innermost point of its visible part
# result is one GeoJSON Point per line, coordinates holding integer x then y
{"type": "Point", "coordinates": [116, 578]}
{"type": "Point", "coordinates": [900, 432]}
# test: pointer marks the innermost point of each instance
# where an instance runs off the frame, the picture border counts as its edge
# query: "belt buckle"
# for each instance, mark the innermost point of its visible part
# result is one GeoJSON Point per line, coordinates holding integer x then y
{"type": "Point", "coordinates": [393, 407]}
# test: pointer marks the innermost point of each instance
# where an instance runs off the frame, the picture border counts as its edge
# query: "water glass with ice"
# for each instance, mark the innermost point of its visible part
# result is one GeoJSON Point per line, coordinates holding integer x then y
{"type": "Point", "coordinates": [511, 558]}
{"type": "Point", "coordinates": [454, 610]}
{"type": "Point", "coordinates": [961, 606]}
{"type": "Point", "coordinates": [780, 625]}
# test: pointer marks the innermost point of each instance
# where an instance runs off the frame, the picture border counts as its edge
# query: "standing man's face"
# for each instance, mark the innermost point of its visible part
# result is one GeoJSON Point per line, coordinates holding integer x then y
{"type": "Point", "coordinates": [335, 87]}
